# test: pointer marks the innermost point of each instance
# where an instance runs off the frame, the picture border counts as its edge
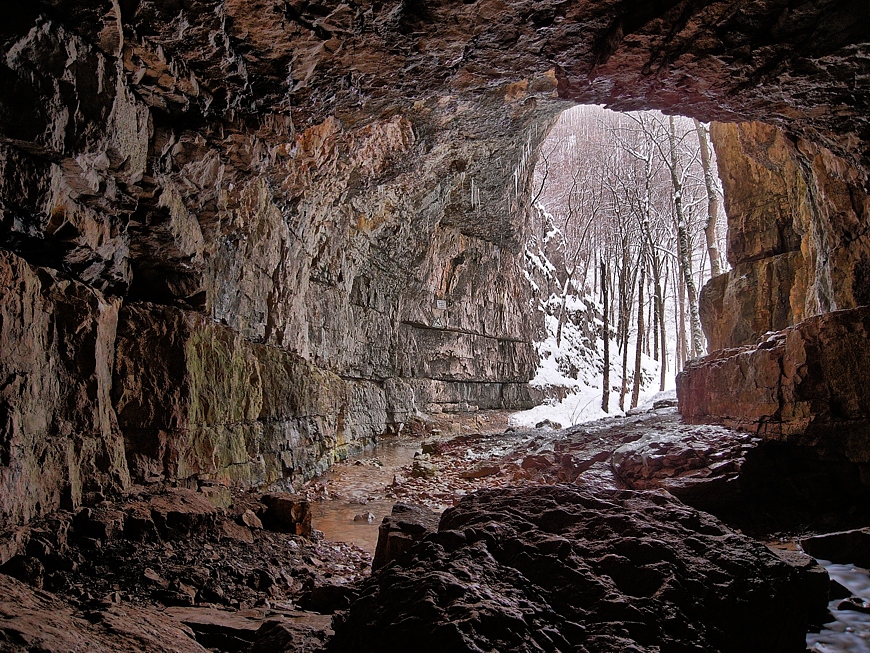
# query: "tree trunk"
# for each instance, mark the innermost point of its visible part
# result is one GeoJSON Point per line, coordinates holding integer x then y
{"type": "Point", "coordinates": [635, 390]}
{"type": "Point", "coordinates": [605, 380]}
{"type": "Point", "coordinates": [712, 201]}
{"type": "Point", "coordinates": [683, 249]}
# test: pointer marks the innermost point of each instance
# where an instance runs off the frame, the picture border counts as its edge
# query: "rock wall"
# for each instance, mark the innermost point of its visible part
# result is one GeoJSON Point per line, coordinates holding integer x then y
{"type": "Point", "coordinates": [301, 208]}
{"type": "Point", "coordinates": [205, 294]}
{"type": "Point", "coordinates": [798, 241]}
{"type": "Point", "coordinates": [59, 438]}
{"type": "Point", "coordinates": [801, 385]}
{"type": "Point", "coordinates": [788, 362]}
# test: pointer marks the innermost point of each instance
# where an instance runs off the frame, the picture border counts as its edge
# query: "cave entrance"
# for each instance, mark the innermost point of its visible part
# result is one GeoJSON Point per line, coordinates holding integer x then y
{"type": "Point", "coordinates": [627, 228]}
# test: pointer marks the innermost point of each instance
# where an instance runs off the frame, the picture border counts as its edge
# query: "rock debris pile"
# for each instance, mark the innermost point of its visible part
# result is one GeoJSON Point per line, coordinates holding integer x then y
{"type": "Point", "coordinates": [226, 578]}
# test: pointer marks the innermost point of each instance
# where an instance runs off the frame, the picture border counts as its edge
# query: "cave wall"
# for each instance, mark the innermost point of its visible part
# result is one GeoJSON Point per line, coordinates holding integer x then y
{"type": "Point", "coordinates": [227, 224]}
{"type": "Point", "coordinates": [798, 242]}
{"type": "Point", "coordinates": [789, 322]}
{"type": "Point", "coordinates": [233, 299]}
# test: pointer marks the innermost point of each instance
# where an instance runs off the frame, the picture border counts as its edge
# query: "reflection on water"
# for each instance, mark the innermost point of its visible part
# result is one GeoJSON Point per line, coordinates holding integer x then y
{"type": "Point", "coordinates": [357, 487]}
{"type": "Point", "coordinates": [850, 630]}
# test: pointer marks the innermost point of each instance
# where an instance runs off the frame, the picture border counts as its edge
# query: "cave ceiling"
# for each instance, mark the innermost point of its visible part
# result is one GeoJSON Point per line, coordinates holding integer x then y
{"type": "Point", "coordinates": [803, 66]}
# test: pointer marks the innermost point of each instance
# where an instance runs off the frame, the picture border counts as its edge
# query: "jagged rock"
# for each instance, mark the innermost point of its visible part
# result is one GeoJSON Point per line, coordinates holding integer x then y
{"type": "Point", "coordinates": [568, 568]}
{"type": "Point", "coordinates": [287, 513]}
{"type": "Point", "coordinates": [218, 629]}
{"type": "Point", "coordinates": [210, 398]}
{"type": "Point", "coordinates": [36, 620]}
{"type": "Point", "coordinates": [797, 386]}
{"type": "Point", "coordinates": [60, 444]}
{"type": "Point", "coordinates": [180, 513]}
{"type": "Point", "coordinates": [399, 531]}
{"type": "Point", "coordinates": [236, 532]}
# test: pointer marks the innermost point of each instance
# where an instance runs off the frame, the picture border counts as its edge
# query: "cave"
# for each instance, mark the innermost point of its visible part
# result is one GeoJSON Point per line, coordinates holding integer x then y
{"type": "Point", "coordinates": [242, 240]}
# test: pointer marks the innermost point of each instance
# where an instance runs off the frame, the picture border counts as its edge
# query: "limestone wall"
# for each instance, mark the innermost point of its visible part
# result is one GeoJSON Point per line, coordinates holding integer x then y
{"type": "Point", "coordinates": [798, 238]}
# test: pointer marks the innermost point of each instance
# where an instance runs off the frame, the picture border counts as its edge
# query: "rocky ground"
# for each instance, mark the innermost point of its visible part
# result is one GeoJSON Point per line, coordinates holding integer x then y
{"type": "Point", "coordinates": [225, 576]}
{"type": "Point", "coordinates": [189, 569]}
{"type": "Point", "coordinates": [768, 489]}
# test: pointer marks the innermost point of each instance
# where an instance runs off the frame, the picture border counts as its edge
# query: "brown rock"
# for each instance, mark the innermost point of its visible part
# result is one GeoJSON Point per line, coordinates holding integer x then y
{"type": "Point", "coordinates": [481, 469]}
{"type": "Point", "coordinates": [797, 386]}
{"type": "Point", "coordinates": [287, 513]}
{"type": "Point", "coordinates": [236, 531]}
{"type": "Point", "coordinates": [793, 241]}
{"type": "Point", "coordinates": [571, 568]}
{"type": "Point", "coordinates": [251, 520]}
{"type": "Point", "coordinates": [423, 468]}
{"type": "Point", "coordinates": [406, 525]}
{"type": "Point", "coordinates": [55, 366]}
{"type": "Point", "coordinates": [537, 461]}
{"type": "Point", "coordinates": [179, 513]}
{"type": "Point", "coordinates": [216, 628]}
{"type": "Point", "coordinates": [292, 634]}
{"type": "Point", "coordinates": [36, 620]}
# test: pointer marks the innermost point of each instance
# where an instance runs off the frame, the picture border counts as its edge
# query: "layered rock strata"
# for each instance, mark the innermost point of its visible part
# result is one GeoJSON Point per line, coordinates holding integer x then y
{"type": "Point", "coordinates": [798, 239]}
{"type": "Point", "coordinates": [333, 193]}
{"type": "Point", "coordinates": [801, 385]}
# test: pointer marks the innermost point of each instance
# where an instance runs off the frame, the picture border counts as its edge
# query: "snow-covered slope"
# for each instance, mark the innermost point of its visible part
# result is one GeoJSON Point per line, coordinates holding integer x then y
{"type": "Point", "coordinates": [570, 372]}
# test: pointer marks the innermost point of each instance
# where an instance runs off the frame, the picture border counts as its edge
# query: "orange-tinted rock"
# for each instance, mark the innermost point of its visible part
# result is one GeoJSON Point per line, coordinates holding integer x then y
{"type": "Point", "coordinates": [803, 384]}
{"type": "Point", "coordinates": [797, 238]}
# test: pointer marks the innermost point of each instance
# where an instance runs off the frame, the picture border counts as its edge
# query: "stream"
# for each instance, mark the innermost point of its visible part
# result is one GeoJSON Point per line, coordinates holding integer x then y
{"type": "Point", "coordinates": [357, 486]}
{"type": "Point", "coordinates": [850, 630]}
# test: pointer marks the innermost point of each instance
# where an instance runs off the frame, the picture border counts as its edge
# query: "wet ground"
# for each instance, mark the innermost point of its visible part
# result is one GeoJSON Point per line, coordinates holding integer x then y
{"type": "Point", "coordinates": [351, 500]}
{"type": "Point", "coordinates": [850, 630]}
{"type": "Point", "coordinates": [356, 488]}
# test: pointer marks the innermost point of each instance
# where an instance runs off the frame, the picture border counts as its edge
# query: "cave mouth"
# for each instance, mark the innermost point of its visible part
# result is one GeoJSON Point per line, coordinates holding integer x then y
{"type": "Point", "coordinates": [244, 241]}
{"type": "Point", "coordinates": [607, 228]}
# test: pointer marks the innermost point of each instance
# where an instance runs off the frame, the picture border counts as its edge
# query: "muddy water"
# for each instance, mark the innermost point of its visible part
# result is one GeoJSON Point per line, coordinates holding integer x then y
{"type": "Point", "coordinates": [357, 486]}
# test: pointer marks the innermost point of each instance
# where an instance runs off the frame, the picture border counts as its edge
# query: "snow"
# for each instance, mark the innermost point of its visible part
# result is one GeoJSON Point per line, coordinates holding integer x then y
{"type": "Point", "coordinates": [570, 374]}
{"type": "Point", "coordinates": [574, 369]}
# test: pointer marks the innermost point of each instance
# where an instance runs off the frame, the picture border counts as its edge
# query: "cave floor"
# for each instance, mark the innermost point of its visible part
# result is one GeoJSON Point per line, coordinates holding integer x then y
{"type": "Point", "coordinates": [229, 583]}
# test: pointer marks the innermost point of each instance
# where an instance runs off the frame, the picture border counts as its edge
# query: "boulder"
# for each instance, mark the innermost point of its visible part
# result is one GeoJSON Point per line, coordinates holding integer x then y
{"type": "Point", "coordinates": [799, 385]}
{"type": "Point", "coordinates": [180, 513]}
{"type": "Point", "coordinates": [700, 465]}
{"type": "Point", "coordinates": [400, 530]}
{"type": "Point", "coordinates": [287, 513]}
{"type": "Point", "coordinates": [568, 568]}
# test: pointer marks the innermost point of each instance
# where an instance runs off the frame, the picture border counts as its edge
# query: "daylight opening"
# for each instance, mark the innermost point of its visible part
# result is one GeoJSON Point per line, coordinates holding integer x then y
{"type": "Point", "coordinates": [628, 227]}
